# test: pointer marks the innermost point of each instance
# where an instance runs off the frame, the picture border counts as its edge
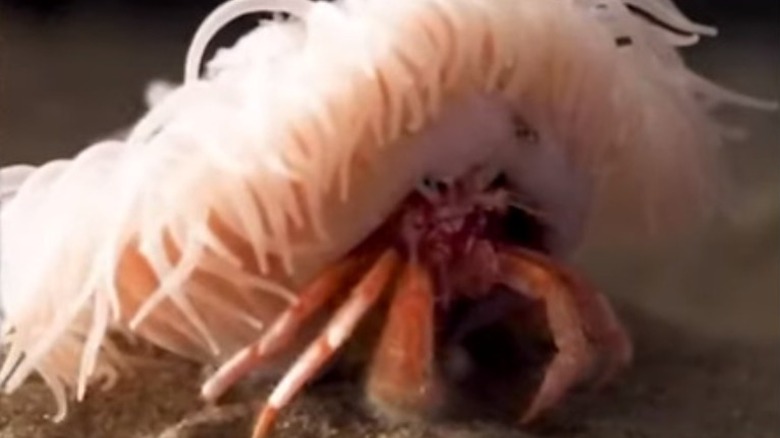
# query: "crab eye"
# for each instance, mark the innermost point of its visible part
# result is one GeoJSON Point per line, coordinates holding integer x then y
{"type": "Point", "coordinates": [429, 183]}
{"type": "Point", "coordinates": [525, 133]}
{"type": "Point", "coordinates": [436, 185]}
{"type": "Point", "coordinates": [623, 41]}
{"type": "Point", "coordinates": [431, 187]}
{"type": "Point", "coordinates": [501, 181]}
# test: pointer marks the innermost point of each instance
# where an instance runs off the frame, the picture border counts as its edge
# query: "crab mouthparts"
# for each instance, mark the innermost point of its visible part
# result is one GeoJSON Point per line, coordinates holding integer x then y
{"type": "Point", "coordinates": [455, 228]}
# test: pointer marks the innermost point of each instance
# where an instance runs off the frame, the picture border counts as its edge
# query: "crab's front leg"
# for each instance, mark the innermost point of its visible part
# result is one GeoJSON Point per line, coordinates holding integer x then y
{"type": "Point", "coordinates": [402, 376]}
{"type": "Point", "coordinates": [584, 327]}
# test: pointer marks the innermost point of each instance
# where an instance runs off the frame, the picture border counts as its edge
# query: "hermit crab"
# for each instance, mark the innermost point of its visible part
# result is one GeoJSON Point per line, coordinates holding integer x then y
{"type": "Point", "coordinates": [414, 156]}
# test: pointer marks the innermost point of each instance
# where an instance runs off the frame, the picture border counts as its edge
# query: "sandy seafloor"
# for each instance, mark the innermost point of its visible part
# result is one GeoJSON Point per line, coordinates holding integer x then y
{"type": "Point", "coordinates": [703, 308]}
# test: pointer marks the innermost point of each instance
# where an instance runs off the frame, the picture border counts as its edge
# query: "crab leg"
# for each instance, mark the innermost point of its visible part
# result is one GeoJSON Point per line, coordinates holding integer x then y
{"type": "Point", "coordinates": [282, 332]}
{"type": "Point", "coordinates": [362, 297]}
{"type": "Point", "coordinates": [603, 329]}
{"type": "Point", "coordinates": [401, 373]}
{"type": "Point", "coordinates": [600, 323]}
{"type": "Point", "coordinates": [575, 357]}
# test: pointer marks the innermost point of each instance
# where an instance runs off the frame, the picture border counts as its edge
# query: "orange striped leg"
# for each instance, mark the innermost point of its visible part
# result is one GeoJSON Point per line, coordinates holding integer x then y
{"type": "Point", "coordinates": [401, 376]}
{"type": "Point", "coordinates": [362, 297]}
{"type": "Point", "coordinates": [575, 358]}
{"type": "Point", "coordinates": [284, 329]}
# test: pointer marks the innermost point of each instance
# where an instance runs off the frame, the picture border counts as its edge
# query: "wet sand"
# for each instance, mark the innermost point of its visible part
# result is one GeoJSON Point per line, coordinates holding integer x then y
{"type": "Point", "coordinates": [703, 308]}
{"type": "Point", "coordinates": [682, 385]}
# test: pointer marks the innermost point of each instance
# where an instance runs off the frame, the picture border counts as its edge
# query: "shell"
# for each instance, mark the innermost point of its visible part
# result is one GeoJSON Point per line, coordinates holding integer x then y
{"type": "Point", "coordinates": [195, 231]}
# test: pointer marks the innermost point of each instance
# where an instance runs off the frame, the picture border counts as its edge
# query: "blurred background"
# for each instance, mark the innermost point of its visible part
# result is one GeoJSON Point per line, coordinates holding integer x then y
{"type": "Point", "coordinates": [73, 71]}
